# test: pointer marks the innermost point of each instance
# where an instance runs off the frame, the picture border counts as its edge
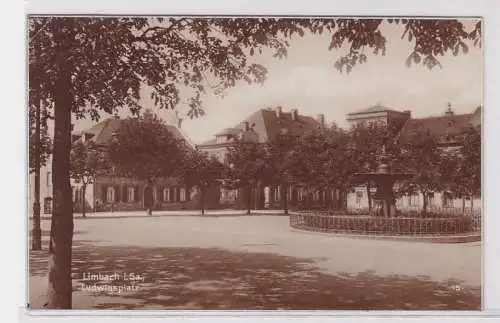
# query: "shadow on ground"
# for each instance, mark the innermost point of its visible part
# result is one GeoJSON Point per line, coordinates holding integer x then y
{"type": "Point", "coordinates": [199, 278]}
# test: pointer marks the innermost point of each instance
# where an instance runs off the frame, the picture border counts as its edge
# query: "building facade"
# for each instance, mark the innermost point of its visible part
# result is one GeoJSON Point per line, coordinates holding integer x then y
{"type": "Point", "coordinates": [262, 126]}
{"type": "Point", "coordinates": [445, 129]}
{"type": "Point", "coordinates": [108, 193]}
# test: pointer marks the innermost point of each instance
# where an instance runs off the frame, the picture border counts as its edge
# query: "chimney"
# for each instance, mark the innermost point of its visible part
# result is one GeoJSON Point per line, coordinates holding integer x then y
{"type": "Point", "coordinates": [278, 111]}
{"type": "Point", "coordinates": [449, 111]}
{"type": "Point", "coordinates": [178, 120]}
{"type": "Point", "coordinates": [246, 126]}
{"type": "Point", "coordinates": [295, 114]}
{"type": "Point", "coordinates": [321, 119]}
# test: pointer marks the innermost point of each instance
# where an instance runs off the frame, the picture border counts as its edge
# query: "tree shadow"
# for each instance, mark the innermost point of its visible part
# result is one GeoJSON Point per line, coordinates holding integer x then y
{"type": "Point", "coordinates": [206, 278]}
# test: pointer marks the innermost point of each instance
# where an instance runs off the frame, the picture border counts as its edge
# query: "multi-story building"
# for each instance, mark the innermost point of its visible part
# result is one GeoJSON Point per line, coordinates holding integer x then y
{"type": "Point", "coordinates": [444, 128]}
{"type": "Point", "coordinates": [261, 126]}
{"type": "Point", "coordinates": [108, 193]}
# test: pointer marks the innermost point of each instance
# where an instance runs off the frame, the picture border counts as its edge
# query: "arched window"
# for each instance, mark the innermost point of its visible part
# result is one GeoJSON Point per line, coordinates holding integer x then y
{"type": "Point", "coordinates": [130, 194]}
{"type": "Point", "coordinates": [166, 194]}
{"type": "Point", "coordinates": [110, 194]}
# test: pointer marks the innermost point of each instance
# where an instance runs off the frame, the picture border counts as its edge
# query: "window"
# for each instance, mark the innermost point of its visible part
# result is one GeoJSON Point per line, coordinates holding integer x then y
{"type": "Point", "coordinates": [276, 193]}
{"type": "Point", "coordinates": [447, 199]}
{"type": "Point", "coordinates": [183, 194]}
{"type": "Point", "coordinates": [130, 194]}
{"type": "Point", "coordinates": [110, 194]}
{"type": "Point", "coordinates": [221, 139]}
{"type": "Point", "coordinates": [413, 199]}
{"type": "Point", "coordinates": [359, 197]}
{"type": "Point", "coordinates": [301, 194]}
{"type": "Point", "coordinates": [166, 194]}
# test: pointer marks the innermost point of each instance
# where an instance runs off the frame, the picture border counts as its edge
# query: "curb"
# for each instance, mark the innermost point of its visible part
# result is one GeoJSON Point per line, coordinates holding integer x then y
{"type": "Point", "coordinates": [89, 217]}
{"type": "Point", "coordinates": [465, 238]}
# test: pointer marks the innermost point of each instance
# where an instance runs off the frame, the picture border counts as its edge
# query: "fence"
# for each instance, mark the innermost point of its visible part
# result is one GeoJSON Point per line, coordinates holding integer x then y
{"type": "Point", "coordinates": [401, 226]}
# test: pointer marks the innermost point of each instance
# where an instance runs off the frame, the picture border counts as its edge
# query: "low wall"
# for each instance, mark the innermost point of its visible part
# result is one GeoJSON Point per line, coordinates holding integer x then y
{"type": "Point", "coordinates": [397, 226]}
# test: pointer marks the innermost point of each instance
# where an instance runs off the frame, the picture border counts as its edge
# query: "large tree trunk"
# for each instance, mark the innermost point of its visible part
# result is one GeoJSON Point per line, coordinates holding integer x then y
{"type": "Point", "coordinates": [61, 231]}
{"type": "Point", "coordinates": [84, 189]}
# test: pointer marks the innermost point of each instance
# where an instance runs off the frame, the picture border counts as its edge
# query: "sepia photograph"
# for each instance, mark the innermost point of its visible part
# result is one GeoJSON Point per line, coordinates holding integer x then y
{"type": "Point", "coordinates": [254, 163]}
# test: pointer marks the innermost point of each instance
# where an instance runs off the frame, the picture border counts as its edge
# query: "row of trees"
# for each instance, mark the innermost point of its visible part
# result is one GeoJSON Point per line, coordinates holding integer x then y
{"type": "Point", "coordinates": [143, 148]}
{"type": "Point", "coordinates": [327, 159]}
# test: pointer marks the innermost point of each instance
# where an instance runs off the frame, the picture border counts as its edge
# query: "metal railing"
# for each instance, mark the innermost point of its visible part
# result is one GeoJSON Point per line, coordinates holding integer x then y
{"type": "Point", "coordinates": [371, 225]}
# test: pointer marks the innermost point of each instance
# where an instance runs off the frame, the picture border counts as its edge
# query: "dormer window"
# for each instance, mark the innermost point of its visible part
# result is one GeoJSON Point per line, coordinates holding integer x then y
{"type": "Point", "coordinates": [221, 139]}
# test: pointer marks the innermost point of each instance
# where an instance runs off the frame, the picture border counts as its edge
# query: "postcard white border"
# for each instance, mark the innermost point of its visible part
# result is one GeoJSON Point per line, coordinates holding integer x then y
{"type": "Point", "coordinates": [14, 194]}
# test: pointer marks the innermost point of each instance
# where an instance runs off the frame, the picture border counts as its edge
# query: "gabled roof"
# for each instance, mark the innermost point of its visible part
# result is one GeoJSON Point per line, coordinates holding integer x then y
{"type": "Point", "coordinates": [229, 132]}
{"type": "Point", "coordinates": [373, 109]}
{"type": "Point", "coordinates": [267, 125]}
{"type": "Point", "coordinates": [103, 131]}
{"type": "Point", "coordinates": [441, 127]}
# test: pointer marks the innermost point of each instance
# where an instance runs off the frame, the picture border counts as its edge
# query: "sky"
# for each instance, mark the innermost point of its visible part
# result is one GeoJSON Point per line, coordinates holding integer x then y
{"type": "Point", "coordinates": [307, 80]}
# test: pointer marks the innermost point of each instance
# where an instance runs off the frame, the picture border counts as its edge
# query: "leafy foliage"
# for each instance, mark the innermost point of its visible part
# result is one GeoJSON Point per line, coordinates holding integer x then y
{"type": "Point", "coordinates": [421, 155]}
{"type": "Point", "coordinates": [277, 152]}
{"type": "Point", "coordinates": [462, 167]}
{"type": "Point", "coordinates": [111, 58]}
{"type": "Point", "coordinates": [87, 161]}
{"type": "Point", "coordinates": [144, 147]}
{"type": "Point", "coordinates": [322, 159]}
{"type": "Point", "coordinates": [247, 162]}
{"type": "Point", "coordinates": [198, 169]}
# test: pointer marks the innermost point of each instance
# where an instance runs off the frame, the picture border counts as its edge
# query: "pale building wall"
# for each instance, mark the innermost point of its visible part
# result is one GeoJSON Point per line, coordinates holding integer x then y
{"type": "Point", "coordinates": [359, 200]}
{"type": "Point", "coordinates": [45, 187]}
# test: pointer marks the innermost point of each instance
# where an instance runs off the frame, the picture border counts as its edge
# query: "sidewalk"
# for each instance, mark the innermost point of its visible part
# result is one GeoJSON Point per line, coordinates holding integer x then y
{"type": "Point", "coordinates": [208, 213]}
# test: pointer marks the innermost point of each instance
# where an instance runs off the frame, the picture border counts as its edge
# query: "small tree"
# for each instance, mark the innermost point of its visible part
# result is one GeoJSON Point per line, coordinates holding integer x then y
{"type": "Point", "coordinates": [462, 167]}
{"type": "Point", "coordinates": [200, 170]}
{"type": "Point", "coordinates": [323, 159]}
{"type": "Point", "coordinates": [144, 148]}
{"type": "Point", "coordinates": [87, 161]}
{"type": "Point", "coordinates": [277, 152]}
{"type": "Point", "coordinates": [419, 153]}
{"type": "Point", "coordinates": [247, 163]}
{"type": "Point", "coordinates": [367, 140]}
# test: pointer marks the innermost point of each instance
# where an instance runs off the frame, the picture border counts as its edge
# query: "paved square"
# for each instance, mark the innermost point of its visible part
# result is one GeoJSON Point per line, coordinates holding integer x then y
{"type": "Point", "coordinates": [254, 262]}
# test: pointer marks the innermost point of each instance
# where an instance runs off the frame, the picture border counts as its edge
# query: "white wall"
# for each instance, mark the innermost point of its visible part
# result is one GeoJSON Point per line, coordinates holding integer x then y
{"type": "Point", "coordinates": [416, 204]}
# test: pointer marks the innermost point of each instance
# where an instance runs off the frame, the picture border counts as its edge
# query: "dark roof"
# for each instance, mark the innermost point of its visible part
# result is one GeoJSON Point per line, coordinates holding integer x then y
{"type": "Point", "coordinates": [440, 127]}
{"type": "Point", "coordinates": [267, 125]}
{"type": "Point", "coordinates": [103, 131]}
{"type": "Point", "coordinates": [373, 109]}
{"type": "Point", "coordinates": [229, 131]}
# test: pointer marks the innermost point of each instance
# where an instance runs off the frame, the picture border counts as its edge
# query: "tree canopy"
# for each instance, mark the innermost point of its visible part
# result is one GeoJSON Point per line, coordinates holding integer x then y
{"type": "Point", "coordinates": [111, 58]}
{"type": "Point", "coordinates": [145, 148]}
